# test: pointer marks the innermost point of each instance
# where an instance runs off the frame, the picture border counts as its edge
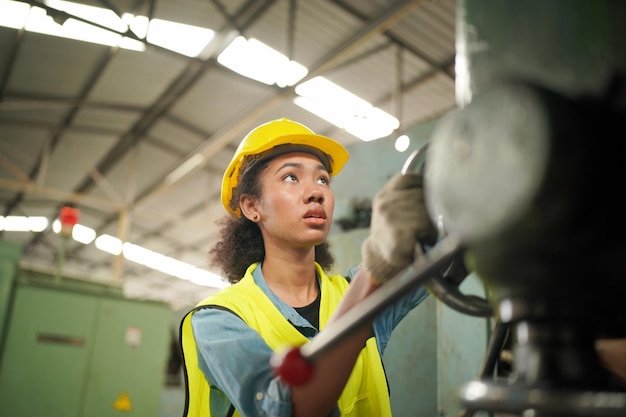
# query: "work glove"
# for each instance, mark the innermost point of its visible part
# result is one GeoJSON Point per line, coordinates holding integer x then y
{"type": "Point", "coordinates": [399, 221]}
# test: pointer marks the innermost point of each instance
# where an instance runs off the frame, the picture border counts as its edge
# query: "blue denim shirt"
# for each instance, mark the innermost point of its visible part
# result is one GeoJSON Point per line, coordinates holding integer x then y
{"type": "Point", "coordinates": [242, 369]}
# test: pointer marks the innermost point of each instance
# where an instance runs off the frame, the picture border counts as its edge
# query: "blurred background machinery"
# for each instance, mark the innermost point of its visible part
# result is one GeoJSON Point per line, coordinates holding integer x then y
{"type": "Point", "coordinates": [526, 173]}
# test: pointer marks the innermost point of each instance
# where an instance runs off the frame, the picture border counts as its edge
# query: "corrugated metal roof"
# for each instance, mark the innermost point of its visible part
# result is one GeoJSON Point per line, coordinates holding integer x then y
{"type": "Point", "coordinates": [105, 126]}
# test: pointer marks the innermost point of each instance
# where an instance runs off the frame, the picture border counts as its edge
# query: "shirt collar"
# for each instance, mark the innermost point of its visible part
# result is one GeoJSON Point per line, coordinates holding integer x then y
{"type": "Point", "coordinates": [285, 309]}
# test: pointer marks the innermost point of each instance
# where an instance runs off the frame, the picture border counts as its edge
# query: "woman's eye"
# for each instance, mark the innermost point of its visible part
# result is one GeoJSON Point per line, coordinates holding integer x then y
{"type": "Point", "coordinates": [324, 180]}
{"type": "Point", "coordinates": [290, 178]}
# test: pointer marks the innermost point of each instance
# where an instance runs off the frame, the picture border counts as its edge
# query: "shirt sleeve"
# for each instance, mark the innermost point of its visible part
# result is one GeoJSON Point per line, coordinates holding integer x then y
{"type": "Point", "coordinates": [236, 360]}
{"type": "Point", "coordinates": [390, 317]}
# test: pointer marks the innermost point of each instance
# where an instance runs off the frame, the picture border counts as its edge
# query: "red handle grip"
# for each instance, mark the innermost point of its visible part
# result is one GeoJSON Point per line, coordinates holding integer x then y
{"type": "Point", "coordinates": [292, 367]}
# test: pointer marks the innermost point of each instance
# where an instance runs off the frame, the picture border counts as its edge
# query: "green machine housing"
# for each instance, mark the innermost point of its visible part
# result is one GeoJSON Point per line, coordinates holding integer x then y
{"type": "Point", "coordinates": [74, 348]}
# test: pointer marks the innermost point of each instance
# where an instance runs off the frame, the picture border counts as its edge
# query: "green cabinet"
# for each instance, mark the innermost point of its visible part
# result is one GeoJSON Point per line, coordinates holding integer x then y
{"type": "Point", "coordinates": [9, 257]}
{"type": "Point", "coordinates": [129, 359]}
{"type": "Point", "coordinates": [72, 353]}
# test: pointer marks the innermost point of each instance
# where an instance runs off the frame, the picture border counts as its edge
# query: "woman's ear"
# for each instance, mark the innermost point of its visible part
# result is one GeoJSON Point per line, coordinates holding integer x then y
{"type": "Point", "coordinates": [248, 207]}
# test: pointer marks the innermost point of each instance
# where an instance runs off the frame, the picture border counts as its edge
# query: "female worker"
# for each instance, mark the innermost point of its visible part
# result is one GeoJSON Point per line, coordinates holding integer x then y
{"type": "Point", "coordinates": [273, 249]}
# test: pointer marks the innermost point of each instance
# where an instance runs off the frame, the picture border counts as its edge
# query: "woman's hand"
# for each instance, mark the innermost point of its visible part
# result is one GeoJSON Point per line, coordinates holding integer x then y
{"type": "Point", "coordinates": [399, 221]}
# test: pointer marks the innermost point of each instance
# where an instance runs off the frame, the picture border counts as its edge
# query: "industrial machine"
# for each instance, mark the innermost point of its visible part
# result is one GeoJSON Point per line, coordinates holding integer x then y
{"type": "Point", "coordinates": [522, 201]}
{"type": "Point", "coordinates": [523, 181]}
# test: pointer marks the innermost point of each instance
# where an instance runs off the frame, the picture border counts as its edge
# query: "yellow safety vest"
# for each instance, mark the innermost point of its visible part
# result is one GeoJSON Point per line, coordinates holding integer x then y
{"type": "Point", "coordinates": [366, 393]}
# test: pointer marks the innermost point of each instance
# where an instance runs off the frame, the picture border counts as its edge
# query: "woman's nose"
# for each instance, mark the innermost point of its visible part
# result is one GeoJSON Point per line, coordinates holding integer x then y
{"type": "Point", "coordinates": [315, 195]}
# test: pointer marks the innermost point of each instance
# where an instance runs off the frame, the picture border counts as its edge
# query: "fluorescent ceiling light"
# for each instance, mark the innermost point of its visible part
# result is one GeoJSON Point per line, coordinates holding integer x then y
{"type": "Point", "coordinates": [16, 224]}
{"type": "Point", "coordinates": [140, 255]}
{"type": "Point", "coordinates": [103, 17]}
{"type": "Point", "coordinates": [109, 244]}
{"type": "Point", "coordinates": [39, 21]}
{"type": "Point", "coordinates": [344, 109]}
{"type": "Point", "coordinates": [171, 266]}
{"type": "Point", "coordinates": [207, 279]}
{"type": "Point", "coordinates": [37, 223]}
{"type": "Point", "coordinates": [83, 234]}
{"type": "Point", "coordinates": [253, 59]}
{"type": "Point", "coordinates": [371, 125]}
{"type": "Point", "coordinates": [137, 24]}
{"type": "Point", "coordinates": [176, 268]}
{"type": "Point", "coordinates": [184, 39]}
{"type": "Point", "coordinates": [23, 223]}
{"type": "Point", "coordinates": [13, 14]}
{"type": "Point", "coordinates": [115, 246]}
{"type": "Point", "coordinates": [322, 89]}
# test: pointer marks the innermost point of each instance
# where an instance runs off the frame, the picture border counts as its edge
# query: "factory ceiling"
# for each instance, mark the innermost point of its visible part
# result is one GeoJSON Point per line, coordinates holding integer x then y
{"type": "Point", "coordinates": [102, 128]}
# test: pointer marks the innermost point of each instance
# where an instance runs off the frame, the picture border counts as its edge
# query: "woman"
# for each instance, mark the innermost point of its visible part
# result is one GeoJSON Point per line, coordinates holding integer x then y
{"type": "Point", "coordinates": [273, 249]}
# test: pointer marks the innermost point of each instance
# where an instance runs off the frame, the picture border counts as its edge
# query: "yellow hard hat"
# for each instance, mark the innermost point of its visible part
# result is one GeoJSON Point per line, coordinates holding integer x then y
{"type": "Point", "coordinates": [267, 137]}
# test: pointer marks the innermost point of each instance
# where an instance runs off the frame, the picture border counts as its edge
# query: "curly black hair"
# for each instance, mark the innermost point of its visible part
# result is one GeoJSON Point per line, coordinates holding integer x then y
{"type": "Point", "coordinates": [241, 243]}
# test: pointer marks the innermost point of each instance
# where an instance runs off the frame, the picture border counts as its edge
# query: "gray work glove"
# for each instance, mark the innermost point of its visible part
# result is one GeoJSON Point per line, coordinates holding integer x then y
{"type": "Point", "coordinates": [399, 221]}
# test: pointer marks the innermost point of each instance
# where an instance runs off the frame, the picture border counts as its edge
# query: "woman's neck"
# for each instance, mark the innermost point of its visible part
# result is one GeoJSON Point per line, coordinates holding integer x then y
{"type": "Point", "coordinates": [291, 278]}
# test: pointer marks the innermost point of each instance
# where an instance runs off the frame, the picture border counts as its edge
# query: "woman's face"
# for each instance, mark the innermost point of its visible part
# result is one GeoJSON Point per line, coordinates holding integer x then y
{"type": "Point", "coordinates": [296, 204]}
